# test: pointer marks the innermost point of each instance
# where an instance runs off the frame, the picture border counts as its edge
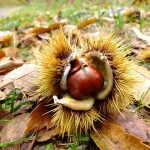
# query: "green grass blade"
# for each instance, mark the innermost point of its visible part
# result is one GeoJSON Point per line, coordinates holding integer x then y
{"type": "Point", "coordinates": [6, 144]}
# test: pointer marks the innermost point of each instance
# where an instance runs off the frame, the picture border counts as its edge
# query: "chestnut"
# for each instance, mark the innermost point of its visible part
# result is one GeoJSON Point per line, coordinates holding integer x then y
{"type": "Point", "coordinates": [84, 80]}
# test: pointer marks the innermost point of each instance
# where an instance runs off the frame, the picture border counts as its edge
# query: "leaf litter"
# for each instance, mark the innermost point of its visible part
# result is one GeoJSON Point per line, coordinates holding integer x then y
{"type": "Point", "coordinates": [14, 130]}
{"type": "Point", "coordinates": [122, 140]}
{"type": "Point", "coordinates": [119, 133]}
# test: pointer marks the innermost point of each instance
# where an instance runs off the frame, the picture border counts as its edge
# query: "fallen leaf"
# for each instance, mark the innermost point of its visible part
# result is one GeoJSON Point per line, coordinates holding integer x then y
{"type": "Point", "coordinates": [5, 117]}
{"type": "Point", "coordinates": [8, 63]}
{"type": "Point", "coordinates": [113, 137]}
{"type": "Point", "coordinates": [21, 78]}
{"type": "Point", "coordinates": [54, 26]}
{"type": "Point", "coordinates": [25, 83]}
{"type": "Point", "coordinates": [13, 147]}
{"type": "Point", "coordinates": [39, 118]}
{"type": "Point", "coordinates": [14, 130]}
{"type": "Point", "coordinates": [10, 52]}
{"type": "Point", "coordinates": [87, 22]}
{"type": "Point", "coordinates": [45, 134]}
{"type": "Point", "coordinates": [132, 124]}
{"type": "Point", "coordinates": [10, 59]}
{"type": "Point", "coordinates": [28, 40]}
{"type": "Point", "coordinates": [25, 145]}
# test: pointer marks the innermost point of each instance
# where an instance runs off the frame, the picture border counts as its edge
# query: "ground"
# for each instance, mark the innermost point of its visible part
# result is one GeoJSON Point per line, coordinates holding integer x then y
{"type": "Point", "coordinates": [25, 25]}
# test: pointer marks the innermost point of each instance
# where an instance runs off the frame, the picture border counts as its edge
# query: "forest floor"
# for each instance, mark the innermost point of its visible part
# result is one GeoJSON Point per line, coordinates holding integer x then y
{"type": "Point", "coordinates": [25, 26]}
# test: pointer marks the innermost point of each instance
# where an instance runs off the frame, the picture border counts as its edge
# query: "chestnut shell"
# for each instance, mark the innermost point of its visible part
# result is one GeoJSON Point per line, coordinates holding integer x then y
{"type": "Point", "coordinates": [85, 81]}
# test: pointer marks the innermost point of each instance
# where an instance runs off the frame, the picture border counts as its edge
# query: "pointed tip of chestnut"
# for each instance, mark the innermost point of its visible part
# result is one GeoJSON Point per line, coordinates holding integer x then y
{"type": "Point", "coordinates": [85, 81]}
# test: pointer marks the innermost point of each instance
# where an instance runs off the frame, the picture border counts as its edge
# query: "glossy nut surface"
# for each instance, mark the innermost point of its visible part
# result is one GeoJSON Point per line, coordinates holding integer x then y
{"type": "Point", "coordinates": [85, 81]}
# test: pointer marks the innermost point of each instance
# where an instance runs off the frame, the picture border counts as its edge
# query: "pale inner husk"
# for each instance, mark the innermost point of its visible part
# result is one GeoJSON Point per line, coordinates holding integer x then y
{"type": "Point", "coordinates": [102, 64]}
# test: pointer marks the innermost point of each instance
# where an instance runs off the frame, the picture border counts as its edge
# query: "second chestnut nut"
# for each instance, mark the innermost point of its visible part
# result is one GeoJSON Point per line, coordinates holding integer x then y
{"type": "Point", "coordinates": [84, 80]}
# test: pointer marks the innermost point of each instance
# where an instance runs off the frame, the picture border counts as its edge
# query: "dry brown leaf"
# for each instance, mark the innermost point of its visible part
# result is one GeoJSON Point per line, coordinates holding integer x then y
{"type": "Point", "coordinates": [21, 78]}
{"type": "Point", "coordinates": [4, 115]}
{"type": "Point", "coordinates": [54, 26]}
{"type": "Point", "coordinates": [132, 124]}
{"type": "Point", "coordinates": [25, 83]}
{"type": "Point", "coordinates": [14, 129]}
{"type": "Point", "coordinates": [45, 134]}
{"type": "Point", "coordinates": [13, 147]}
{"type": "Point", "coordinates": [28, 40]}
{"type": "Point", "coordinates": [8, 63]}
{"type": "Point", "coordinates": [10, 52]}
{"type": "Point", "coordinates": [39, 118]}
{"type": "Point", "coordinates": [113, 137]}
{"type": "Point", "coordinates": [10, 59]}
{"type": "Point", "coordinates": [5, 37]}
{"type": "Point", "coordinates": [87, 22]}
{"type": "Point", "coordinates": [26, 145]}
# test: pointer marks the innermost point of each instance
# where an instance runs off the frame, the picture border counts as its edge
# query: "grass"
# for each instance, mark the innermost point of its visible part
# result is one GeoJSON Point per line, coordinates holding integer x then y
{"type": "Point", "coordinates": [119, 21]}
{"type": "Point", "coordinates": [49, 146]}
{"type": "Point", "coordinates": [74, 11]}
{"type": "Point", "coordinates": [23, 17]}
{"type": "Point", "coordinates": [24, 53]}
{"type": "Point", "coordinates": [9, 103]}
{"type": "Point", "coordinates": [6, 144]}
{"type": "Point", "coordinates": [10, 100]}
{"type": "Point", "coordinates": [141, 22]}
{"type": "Point", "coordinates": [12, 3]}
{"type": "Point", "coordinates": [31, 12]}
{"type": "Point", "coordinates": [140, 102]}
{"type": "Point", "coordinates": [5, 121]}
{"type": "Point", "coordinates": [77, 141]}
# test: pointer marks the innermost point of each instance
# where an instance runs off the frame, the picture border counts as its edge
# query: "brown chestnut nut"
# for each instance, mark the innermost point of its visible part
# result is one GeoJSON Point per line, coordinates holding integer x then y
{"type": "Point", "coordinates": [75, 66]}
{"type": "Point", "coordinates": [85, 81]}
